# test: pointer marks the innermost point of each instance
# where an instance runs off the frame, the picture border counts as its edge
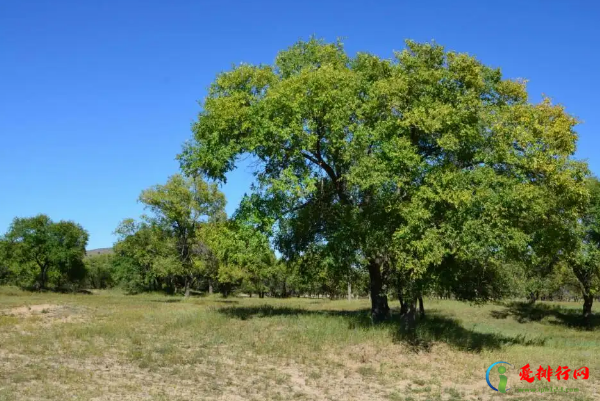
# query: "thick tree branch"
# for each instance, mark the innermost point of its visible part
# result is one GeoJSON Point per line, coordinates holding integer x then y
{"type": "Point", "coordinates": [312, 159]}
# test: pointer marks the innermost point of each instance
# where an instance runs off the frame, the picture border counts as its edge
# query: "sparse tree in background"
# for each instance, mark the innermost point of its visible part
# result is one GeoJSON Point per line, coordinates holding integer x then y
{"type": "Point", "coordinates": [321, 271]}
{"type": "Point", "coordinates": [256, 258]}
{"type": "Point", "coordinates": [100, 271]}
{"type": "Point", "coordinates": [40, 252]}
{"type": "Point", "coordinates": [166, 245]}
{"type": "Point", "coordinates": [429, 163]}
{"type": "Point", "coordinates": [227, 249]}
{"type": "Point", "coordinates": [139, 246]}
{"type": "Point", "coordinates": [179, 208]}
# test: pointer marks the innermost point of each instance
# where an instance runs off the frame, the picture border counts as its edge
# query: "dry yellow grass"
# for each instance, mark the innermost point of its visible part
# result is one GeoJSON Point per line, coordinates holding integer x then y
{"type": "Point", "coordinates": [108, 346]}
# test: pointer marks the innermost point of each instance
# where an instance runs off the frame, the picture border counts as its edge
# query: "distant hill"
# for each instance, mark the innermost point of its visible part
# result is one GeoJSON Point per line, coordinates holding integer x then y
{"type": "Point", "coordinates": [99, 251]}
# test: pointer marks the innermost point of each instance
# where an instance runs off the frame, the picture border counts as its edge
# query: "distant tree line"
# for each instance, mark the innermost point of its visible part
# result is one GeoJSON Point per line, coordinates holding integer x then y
{"type": "Point", "coordinates": [184, 244]}
{"type": "Point", "coordinates": [187, 244]}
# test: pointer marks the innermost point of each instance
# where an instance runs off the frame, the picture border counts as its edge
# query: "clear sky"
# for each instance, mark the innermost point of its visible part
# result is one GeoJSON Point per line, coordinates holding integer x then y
{"type": "Point", "coordinates": [97, 97]}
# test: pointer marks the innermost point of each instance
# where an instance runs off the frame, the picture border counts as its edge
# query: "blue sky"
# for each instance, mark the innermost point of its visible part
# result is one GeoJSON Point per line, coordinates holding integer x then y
{"type": "Point", "coordinates": [96, 98]}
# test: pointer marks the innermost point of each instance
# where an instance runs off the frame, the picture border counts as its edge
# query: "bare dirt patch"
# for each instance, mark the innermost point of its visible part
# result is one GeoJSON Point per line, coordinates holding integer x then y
{"type": "Point", "coordinates": [49, 312]}
{"type": "Point", "coordinates": [30, 310]}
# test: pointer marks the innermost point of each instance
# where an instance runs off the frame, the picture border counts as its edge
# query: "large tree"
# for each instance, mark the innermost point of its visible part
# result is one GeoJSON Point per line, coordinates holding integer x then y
{"type": "Point", "coordinates": [39, 250]}
{"type": "Point", "coordinates": [420, 163]}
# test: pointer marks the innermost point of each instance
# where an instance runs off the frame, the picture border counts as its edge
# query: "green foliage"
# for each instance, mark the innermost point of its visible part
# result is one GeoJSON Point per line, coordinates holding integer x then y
{"type": "Point", "coordinates": [586, 262]}
{"type": "Point", "coordinates": [6, 275]}
{"type": "Point", "coordinates": [559, 284]}
{"type": "Point", "coordinates": [591, 219]}
{"type": "Point", "coordinates": [321, 272]}
{"type": "Point", "coordinates": [430, 163]}
{"type": "Point", "coordinates": [180, 208]}
{"type": "Point", "coordinates": [100, 271]}
{"type": "Point", "coordinates": [39, 252]}
{"type": "Point", "coordinates": [167, 250]}
{"type": "Point", "coordinates": [244, 257]}
{"type": "Point", "coordinates": [188, 243]}
{"type": "Point", "coordinates": [139, 248]}
{"type": "Point", "coordinates": [183, 203]}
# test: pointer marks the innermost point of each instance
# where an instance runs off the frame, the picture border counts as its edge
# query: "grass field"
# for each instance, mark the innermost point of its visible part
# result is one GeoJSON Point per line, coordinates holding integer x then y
{"type": "Point", "coordinates": [108, 346]}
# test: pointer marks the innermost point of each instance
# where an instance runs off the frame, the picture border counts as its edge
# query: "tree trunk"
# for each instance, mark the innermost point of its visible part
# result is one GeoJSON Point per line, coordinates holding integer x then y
{"type": "Point", "coordinates": [403, 305]}
{"type": "Point", "coordinates": [399, 289]}
{"type": "Point", "coordinates": [349, 291]}
{"type": "Point", "coordinates": [210, 287]}
{"type": "Point", "coordinates": [532, 297]}
{"type": "Point", "coordinates": [379, 305]}
{"type": "Point", "coordinates": [421, 308]}
{"type": "Point", "coordinates": [225, 289]}
{"type": "Point", "coordinates": [43, 277]}
{"type": "Point", "coordinates": [187, 288]}
{"type": "Point", "coordinates": [409, 319]}
{"type": "Point", "coordinates": [588, 300]}
{"type": "Point", "coordinates": [261, 294]}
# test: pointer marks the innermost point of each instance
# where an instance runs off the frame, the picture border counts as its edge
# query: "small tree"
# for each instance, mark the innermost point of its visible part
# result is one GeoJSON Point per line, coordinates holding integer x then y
{"type": "Point", "coordinates": [180, 208]}
{"type": "Point", "coordinates": [139, 246]}
{"type": "Point", "coordinates": [40, 251]}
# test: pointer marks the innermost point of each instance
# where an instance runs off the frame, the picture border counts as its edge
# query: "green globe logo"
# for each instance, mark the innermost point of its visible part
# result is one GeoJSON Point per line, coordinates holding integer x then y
{"type": "Point", "coordinates": [503, 379]}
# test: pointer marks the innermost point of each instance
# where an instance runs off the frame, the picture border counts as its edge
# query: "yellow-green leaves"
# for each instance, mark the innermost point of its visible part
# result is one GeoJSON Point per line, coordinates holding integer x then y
{"type": "Point", "coordinates": [430, 159]}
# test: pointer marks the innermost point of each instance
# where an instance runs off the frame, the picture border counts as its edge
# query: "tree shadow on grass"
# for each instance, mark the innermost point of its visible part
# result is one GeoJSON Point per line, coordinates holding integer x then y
{"type": "Point", "coordinates": [525, 312]}
{"type": "Point", "coordinates": [167, 301]}
{"type": "Point", "coordinates": [181, 299]}
{"type": "Point", "coordinates": [56, 290]}
{"type": "Point", "coordinates": [438, 328]}
{"type": "Point", "coordinates": [433, 328]}
{"type": "Point", "coordinates": [62, 290]}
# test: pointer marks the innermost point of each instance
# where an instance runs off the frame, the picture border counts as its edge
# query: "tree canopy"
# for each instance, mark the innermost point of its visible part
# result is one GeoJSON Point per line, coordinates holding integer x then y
{"type": "Point", "coordinates": [39, 251]}
{"type": "Point", "coordinates": [430, 162]}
